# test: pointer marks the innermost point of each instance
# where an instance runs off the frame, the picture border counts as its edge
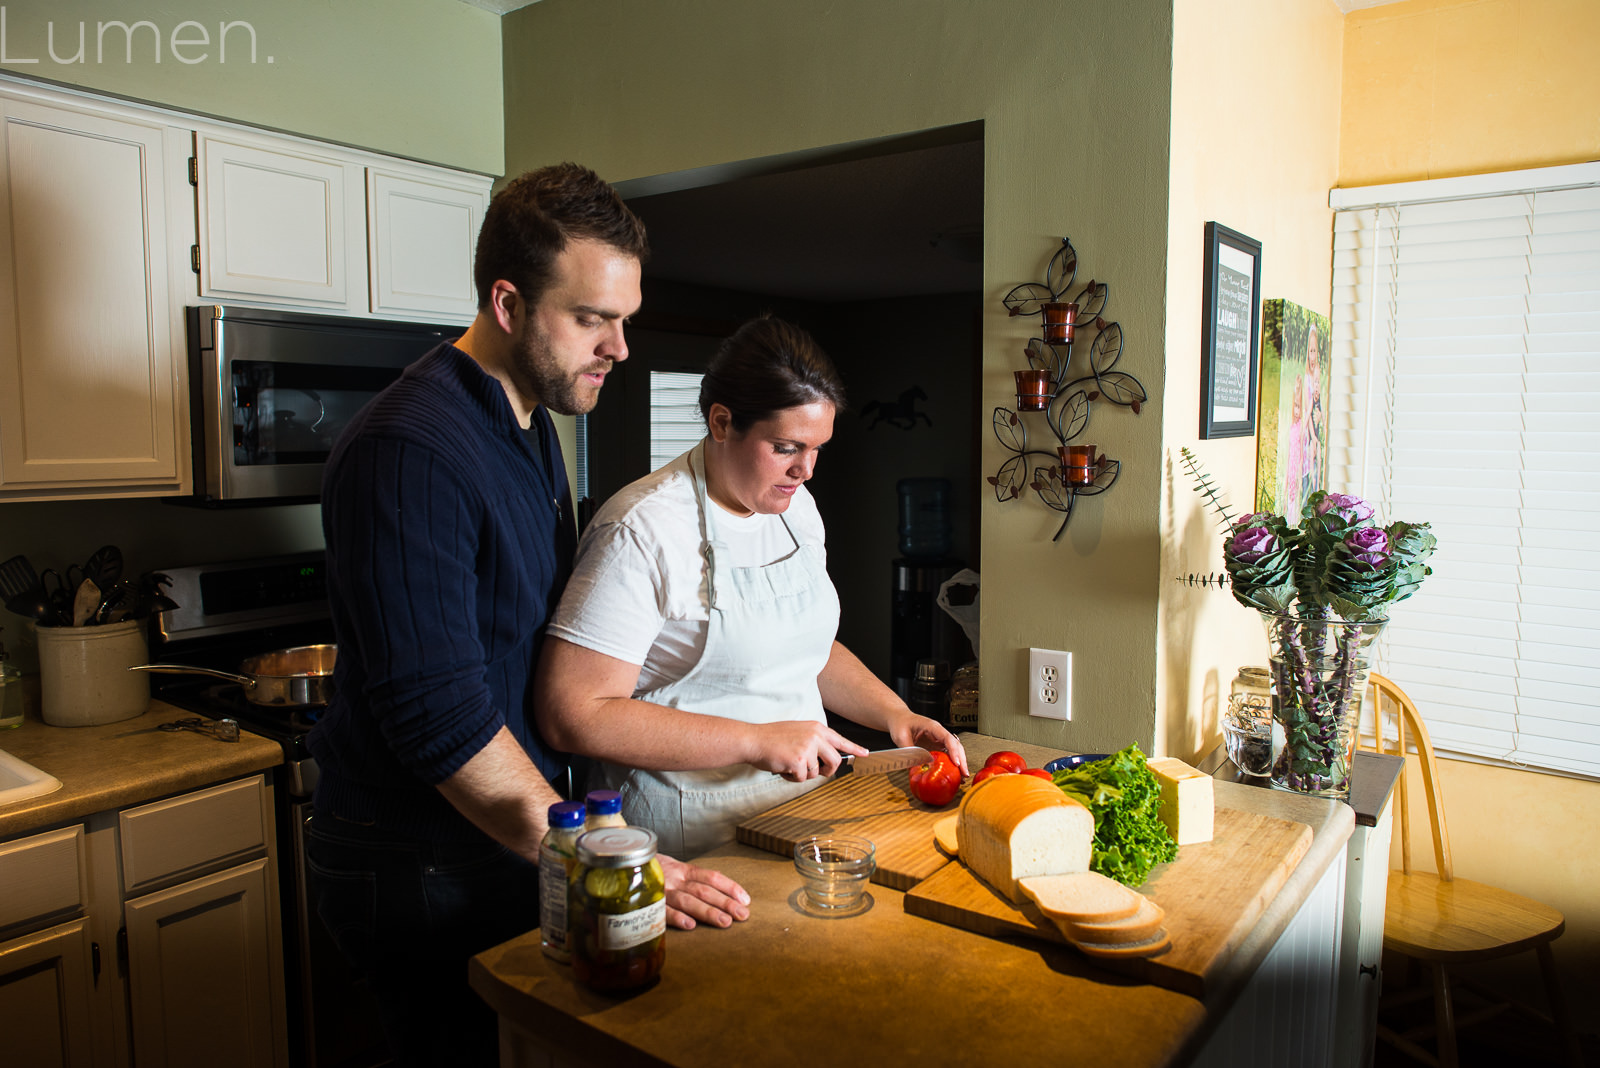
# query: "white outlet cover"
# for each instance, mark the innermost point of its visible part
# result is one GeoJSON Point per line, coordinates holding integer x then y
{"type": "Point", "coordinates": [1049, 698]}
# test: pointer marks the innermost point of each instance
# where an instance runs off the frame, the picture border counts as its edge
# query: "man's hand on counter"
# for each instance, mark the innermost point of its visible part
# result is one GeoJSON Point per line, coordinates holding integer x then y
{"type": "Point", "coordinates": [701, 895]}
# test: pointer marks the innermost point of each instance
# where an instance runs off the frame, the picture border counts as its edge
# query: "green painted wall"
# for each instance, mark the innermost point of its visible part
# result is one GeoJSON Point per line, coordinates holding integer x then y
{"type": "Point", "coordinates": [1076, 101]}
{"type": "Point", "coordinates": [412, 78]}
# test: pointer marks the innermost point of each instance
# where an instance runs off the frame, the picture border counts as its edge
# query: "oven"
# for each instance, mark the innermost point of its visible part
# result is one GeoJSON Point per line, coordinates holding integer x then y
{"type": "Point", "coordinates": [229, 612]}
{"type": "Point", "coordinates": [271, 390]}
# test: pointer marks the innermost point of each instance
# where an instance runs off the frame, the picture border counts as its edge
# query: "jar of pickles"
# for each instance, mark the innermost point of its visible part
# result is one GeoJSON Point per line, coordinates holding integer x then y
{"type": "Point", "coordinates": [618, 908]}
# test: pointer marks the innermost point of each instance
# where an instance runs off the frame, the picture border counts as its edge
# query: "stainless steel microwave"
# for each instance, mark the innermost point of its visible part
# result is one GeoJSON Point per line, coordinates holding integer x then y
{"type": "Point", "coordinates": [270, 392]}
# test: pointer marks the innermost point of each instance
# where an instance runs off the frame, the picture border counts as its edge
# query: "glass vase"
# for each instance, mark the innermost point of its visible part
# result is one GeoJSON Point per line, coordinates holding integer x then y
{"type": "Point", "coordinates": [1319, 669]}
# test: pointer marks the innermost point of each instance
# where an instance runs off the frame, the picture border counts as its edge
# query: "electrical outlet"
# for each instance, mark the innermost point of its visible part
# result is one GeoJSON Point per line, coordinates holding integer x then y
{"type": "Point", "coordinates": [1049, 684]}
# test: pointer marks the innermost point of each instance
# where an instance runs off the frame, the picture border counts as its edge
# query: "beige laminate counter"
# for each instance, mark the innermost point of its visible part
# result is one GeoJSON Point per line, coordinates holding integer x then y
{"type": "Point", "coordinates": [113, 765]}
{"type": "Point", "coordinates": [786, 988]}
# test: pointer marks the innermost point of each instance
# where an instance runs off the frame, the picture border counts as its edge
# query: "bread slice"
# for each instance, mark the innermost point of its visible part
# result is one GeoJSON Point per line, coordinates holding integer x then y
{"type": "Point", "coordinates": [945, 836]}
{"type": "Point", "coordinates": [1014, 826]}
{"type": "Point", "coordinates": [1188, 802]}
{"type": "Point", "coordinates": [1160, 943]}
{"type": "Point", "coordinates": [1140, 927]}
{"type": "Point", "coordinates": [1081, 897]}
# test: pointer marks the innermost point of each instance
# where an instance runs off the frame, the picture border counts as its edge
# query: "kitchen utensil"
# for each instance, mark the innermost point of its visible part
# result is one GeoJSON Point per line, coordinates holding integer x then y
{"type": "Point", "coordinates": [285, 678]}
{"type": "Point", "coordinates": [883, 761]}
{"type": "Point", "coordinates": [30, 604]}
{"type": "Point", "coordinates": [835, 870]}
{"type": "Point", "coordinates": [17, 577]}
{"type": "Point", "coordinates": [225, 729]}
{"type": "Point", "coordinates": [1213, 895]}
{"type": "Point", "coordinates": [58, 595]}
{"type": "Point", "coordinates": [117, 603]}
{"type": "Point", "coordinates": [85, 603]}
{"type": "Point", "coordinates": [104, 566]}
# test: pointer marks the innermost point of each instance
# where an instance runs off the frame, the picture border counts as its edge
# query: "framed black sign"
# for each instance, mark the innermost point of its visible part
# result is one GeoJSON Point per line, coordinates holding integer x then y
{"type": "Point", "coordinates": [1230, 333]}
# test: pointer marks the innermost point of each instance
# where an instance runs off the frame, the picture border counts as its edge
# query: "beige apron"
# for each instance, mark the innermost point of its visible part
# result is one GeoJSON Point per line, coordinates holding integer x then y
{"type": "Point", "coordinates": [770, 633]}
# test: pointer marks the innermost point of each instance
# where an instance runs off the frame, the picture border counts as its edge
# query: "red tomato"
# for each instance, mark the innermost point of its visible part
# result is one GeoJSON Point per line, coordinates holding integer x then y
{"type": "Point", "coordinates": [1006, 759]}
{"type": "Point", "coordinates": [936, 782]}
{"type": "Point", "coordinates": [1038, 773]}
{"type": "Point", "coordinates": [990, 771]}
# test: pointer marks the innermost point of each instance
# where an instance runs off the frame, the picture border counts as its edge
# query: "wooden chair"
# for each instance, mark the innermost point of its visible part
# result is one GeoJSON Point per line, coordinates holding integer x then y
{"type": "Point", "coordinates": [1440, 921]}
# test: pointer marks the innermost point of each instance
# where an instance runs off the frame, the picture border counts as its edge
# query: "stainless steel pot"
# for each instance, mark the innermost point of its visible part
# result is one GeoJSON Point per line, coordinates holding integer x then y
{"type": "Point", "coordinates": [300, 677]}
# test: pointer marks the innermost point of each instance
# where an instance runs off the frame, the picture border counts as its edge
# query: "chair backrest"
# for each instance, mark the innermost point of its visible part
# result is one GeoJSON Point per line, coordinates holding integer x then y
{"type": "Point", "coordinates": [1387, 698]}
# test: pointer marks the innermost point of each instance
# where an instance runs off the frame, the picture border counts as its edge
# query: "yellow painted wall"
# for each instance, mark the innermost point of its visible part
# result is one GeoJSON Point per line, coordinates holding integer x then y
{"type": "Point", "coordinates": [1075, 100]}
{"type": "Point", "coordinates": [412, 78]}
{"type": "Point", "coordinates": [1255, 120]}
{"type": "Point", "coordinates": [1435, 88]}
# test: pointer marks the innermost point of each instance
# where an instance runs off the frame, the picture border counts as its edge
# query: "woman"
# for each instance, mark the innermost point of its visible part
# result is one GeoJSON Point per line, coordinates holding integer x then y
{"type": "Point", "coordinates": [693, 651]}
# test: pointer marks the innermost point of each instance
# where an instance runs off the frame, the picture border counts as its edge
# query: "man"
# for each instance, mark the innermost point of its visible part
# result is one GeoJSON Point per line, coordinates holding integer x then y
{"type": "Point", "coordinates": [449, 534]}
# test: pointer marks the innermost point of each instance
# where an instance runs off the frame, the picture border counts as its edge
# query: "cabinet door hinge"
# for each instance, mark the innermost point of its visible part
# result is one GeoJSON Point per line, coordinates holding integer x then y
{"type": "Point", "coordinates": [194, 171]}
{"type": "Point", "coordinates": [122, 952]}
{"type": "Point", "coordinates": [194, 258]}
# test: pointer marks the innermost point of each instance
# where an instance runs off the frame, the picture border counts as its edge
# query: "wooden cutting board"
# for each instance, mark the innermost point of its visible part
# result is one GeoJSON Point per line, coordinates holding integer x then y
{"type": "Point", "coordinates": [1213, 894]}
{"type": "Point", "coordinates": [877, 807]}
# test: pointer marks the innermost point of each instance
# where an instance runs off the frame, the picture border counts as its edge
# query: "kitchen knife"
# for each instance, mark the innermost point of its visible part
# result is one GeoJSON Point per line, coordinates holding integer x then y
{"type": "Point", "coordinates": [883, 761]}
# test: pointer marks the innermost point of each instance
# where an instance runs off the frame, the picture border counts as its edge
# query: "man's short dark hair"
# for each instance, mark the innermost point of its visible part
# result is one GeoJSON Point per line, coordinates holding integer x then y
{"type": "Point", "coordinates": [530, 221]}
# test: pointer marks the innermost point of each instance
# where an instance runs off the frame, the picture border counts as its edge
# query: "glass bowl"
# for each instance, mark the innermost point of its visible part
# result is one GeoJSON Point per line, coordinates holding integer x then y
{"type": "Point", "coordinates": [835, 870]}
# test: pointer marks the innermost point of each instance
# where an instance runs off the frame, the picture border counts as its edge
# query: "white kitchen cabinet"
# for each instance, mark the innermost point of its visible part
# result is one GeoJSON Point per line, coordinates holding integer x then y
{"type": "Point", "coordinates": [146, 937]}
{"type": "Point", "coordinates": [45, 987]}
{"type": "Point", "coordinates": [278, 223]}
{"type": "Point", "coordinates": [1361, 944]}
{"type": "Point", "coordinates": [46, 954]}
{"type": "Point", "coordinates": [204, 973]}
{"type": "Point", "coordinates": [422, 232]}
{"type": "Point", "coordinates": [92, 391]}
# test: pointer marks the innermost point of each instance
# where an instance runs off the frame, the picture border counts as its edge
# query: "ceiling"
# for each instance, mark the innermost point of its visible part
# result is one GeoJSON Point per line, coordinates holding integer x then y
{"type": "Point", "coordinates": [897, 224]}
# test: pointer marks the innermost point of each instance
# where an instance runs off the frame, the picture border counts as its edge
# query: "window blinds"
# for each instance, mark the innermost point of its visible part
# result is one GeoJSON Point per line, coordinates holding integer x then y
{"type": "Point", "coordinates": [676, 424]}
{"type": "Point", "coordinates": [1466, 393]}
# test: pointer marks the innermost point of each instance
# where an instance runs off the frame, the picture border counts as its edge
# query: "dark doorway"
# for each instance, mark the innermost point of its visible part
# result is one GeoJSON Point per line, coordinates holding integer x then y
{"type": "Point", "coordinates": [876, 249]}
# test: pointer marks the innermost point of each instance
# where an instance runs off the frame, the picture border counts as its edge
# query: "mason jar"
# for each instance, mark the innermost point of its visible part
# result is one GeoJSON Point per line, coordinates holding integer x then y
{"type": "Point", "coordinates": [1247, 723]}
{"type": "Point", "coordinates": [618, 906]}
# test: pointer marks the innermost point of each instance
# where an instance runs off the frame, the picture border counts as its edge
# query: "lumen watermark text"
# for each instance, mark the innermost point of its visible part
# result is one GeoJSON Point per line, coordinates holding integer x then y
{"type": "Point", "coordinates": [141, 41]}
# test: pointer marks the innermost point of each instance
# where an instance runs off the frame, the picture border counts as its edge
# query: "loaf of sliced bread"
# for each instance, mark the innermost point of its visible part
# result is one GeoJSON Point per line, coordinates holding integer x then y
{"type": "Point", "coordinates": [1188, 802]}
{"type": "Point", "coordinates": [1081, 897]}
{"type": "Point", "coordinates": [1010, 827]}
{"type": "Point", "coordinates": [945, 836]}
{"type": "Point", "coordinates": [1140, 927]}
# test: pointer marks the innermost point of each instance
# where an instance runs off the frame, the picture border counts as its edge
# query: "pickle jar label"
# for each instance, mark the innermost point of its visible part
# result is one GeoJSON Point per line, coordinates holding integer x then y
{"type": "Point", "coordinates": [632, 928]}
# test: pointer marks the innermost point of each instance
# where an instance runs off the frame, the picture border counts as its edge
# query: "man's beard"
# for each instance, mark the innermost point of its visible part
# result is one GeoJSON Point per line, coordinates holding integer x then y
{"type": "Point", "coordinates": [558, 389]}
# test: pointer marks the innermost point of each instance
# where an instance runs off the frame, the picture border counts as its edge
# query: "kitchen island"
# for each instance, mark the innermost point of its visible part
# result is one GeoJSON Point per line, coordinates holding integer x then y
{"type": "Point", "coordinates": [786, 987]}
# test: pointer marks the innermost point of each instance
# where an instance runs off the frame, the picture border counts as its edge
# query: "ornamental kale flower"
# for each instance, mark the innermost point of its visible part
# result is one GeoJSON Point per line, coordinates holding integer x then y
{"type": "Point", "coordinates": [1338, 510]}
{"type": "Point", "coordinates": [1260, 563]}
{"type": "Point", "coordinates": [1249, 544]}
{"type": "Point", "coordinates": [1369, 548]}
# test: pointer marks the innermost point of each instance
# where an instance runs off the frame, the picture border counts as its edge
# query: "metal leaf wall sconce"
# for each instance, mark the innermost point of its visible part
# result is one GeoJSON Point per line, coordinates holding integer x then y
{"type": "Point", "coordinates": [1049, 387]}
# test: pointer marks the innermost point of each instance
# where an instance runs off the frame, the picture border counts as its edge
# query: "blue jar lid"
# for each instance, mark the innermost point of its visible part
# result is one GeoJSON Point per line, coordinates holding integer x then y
{"type": "Point", "coordinates": [604, 802]}
{"type": "Point", "coordinates": [566, 814]}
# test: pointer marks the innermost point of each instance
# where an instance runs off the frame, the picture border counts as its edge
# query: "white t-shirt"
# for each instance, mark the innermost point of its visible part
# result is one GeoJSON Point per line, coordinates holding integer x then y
{"type": "Point", "coordinates": [638, 586]}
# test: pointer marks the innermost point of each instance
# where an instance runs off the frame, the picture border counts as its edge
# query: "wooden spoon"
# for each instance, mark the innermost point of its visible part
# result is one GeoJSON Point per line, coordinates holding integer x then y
{"type": "Point", "coordinates": [85, 603]}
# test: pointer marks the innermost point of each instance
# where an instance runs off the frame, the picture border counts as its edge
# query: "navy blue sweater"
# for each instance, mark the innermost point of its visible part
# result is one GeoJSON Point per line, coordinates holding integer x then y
{"type": "Point", "coordinates": [448, 545]}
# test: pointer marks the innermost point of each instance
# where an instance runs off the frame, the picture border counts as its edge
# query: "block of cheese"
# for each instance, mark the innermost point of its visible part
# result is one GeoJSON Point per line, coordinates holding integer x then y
{"type": "Point", "coordinates": [1188, 806]}
{"type": "Point", "coordinates": [1013, 826]}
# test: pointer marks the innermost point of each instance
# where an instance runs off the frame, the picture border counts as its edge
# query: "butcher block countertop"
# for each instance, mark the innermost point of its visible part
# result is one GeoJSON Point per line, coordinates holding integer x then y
{"type": "Point", "coordinates": [786, 988]}
{"type": "Point", "coordinates": [113, 765]}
